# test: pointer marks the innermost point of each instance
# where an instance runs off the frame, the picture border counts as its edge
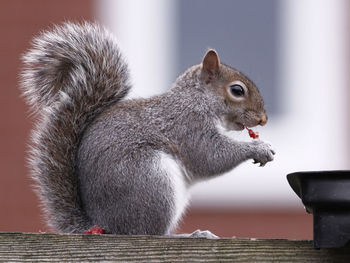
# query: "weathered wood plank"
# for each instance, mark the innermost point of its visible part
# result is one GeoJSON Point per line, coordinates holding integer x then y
{"type": "Point", "coordinates": [19, 247]}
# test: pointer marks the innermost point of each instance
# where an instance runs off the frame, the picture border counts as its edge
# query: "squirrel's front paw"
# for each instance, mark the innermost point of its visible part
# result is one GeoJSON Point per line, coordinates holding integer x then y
{"type": "Point", "coordinates": [263, 152]}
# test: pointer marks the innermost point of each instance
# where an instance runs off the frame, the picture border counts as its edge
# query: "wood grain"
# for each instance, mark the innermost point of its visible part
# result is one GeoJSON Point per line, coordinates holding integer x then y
{"type": "Point", "coordinates": [25, 247]}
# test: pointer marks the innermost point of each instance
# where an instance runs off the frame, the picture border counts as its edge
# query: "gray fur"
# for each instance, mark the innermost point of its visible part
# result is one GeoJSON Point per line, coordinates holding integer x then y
{"type": "Point", "coordinates": [98, 159]}
{"type": "Point", "coordinates": [71, 74]}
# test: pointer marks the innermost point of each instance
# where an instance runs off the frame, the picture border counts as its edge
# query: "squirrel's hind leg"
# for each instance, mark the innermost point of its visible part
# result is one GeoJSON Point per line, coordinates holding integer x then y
{"type": "Point", "coordinates": [131, 197]}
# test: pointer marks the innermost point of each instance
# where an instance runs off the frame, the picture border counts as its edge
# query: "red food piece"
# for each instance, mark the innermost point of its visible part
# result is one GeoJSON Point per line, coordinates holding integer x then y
{"type": "Point", "coordinates": [252, 134]}
{"type": "Point", "coordinates": [95, 230]}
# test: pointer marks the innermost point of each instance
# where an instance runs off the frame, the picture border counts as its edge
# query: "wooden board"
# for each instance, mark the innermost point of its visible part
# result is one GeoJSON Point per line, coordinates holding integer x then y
{"type": "Point", "coordinates": [25, 247]}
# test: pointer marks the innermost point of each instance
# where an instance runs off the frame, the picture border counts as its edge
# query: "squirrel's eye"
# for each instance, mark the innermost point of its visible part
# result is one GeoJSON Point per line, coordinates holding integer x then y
{"type": "Point", "coordinates": [237, 90]}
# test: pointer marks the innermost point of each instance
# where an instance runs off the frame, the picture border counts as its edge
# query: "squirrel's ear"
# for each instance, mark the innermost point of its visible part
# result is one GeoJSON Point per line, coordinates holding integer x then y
{"type": "Point", "coordinates": [211, 62]}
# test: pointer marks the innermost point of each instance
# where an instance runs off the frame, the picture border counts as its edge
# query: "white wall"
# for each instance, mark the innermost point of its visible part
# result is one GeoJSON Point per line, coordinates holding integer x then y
{"type": "Point", "coordinates": [145, 30]}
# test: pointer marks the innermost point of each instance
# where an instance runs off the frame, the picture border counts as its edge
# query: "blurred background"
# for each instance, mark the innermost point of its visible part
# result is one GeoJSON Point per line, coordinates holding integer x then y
{"type": "Point", "coordinates": [296, 51]}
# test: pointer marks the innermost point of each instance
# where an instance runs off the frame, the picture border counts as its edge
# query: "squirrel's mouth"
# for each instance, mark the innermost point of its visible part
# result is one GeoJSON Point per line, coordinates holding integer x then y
{"type": "Point", "coordinates": [239, 126]}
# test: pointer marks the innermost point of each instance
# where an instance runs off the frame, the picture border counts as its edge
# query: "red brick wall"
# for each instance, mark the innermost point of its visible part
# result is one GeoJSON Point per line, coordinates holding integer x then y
{"type": "Point", "coordinates": [19, 21]}
{"type": "Point", "coordinates": [253, 223]}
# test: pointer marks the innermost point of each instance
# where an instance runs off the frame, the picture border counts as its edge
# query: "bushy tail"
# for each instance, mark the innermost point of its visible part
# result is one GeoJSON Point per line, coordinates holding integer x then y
{"type": "Point", "coordinates": [71, 74]}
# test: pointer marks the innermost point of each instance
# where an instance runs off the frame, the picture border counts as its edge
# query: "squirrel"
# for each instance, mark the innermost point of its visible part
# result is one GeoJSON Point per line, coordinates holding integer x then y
{"type": "Point", "coordinates": [126, 165]}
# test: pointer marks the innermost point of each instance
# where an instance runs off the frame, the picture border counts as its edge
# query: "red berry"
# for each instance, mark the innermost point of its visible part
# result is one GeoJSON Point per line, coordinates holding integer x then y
{"type": "Point", "coordinates": [252, 134]}
{"type": "Point", "coordinates": [95, 230]}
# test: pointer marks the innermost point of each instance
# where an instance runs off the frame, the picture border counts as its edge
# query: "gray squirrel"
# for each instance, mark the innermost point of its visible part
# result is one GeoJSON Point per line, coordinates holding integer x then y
{"type": "Point", "coordinates": [126, 165]}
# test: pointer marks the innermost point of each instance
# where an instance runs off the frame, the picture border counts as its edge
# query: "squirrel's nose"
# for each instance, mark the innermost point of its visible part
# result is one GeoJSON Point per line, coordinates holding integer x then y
{"type": "Point", "coordinates": [263, 119]}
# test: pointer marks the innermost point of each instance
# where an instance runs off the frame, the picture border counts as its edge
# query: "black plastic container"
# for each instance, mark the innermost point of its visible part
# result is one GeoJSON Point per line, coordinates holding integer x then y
{"type": "Point", "coordinates": [326, 195]}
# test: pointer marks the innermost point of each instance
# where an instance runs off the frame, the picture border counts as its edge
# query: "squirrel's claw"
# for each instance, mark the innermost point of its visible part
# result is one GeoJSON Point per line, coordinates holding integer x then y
{"type": "Point", "coordinates": [262, 164]}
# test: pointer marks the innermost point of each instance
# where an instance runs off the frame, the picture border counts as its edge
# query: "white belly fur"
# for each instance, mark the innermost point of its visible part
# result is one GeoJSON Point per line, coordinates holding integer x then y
{"type": "Point", "coordinates": [176, 175]}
